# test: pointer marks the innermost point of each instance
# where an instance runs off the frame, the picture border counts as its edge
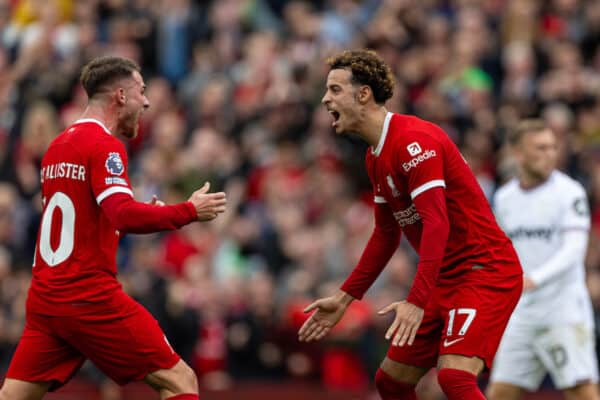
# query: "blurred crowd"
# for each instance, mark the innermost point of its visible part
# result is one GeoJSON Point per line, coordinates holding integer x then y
{"type": "Point", "coordinates": [235, 88]}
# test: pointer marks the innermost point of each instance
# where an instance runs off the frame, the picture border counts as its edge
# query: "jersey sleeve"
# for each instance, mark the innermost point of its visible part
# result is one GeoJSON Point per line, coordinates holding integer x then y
{"type": "Point", "coordinates": [576, 215]}
{"type": "Point", "coordinates": [421, 161]}
{"type": "Point", "coordinates": [108, 170]}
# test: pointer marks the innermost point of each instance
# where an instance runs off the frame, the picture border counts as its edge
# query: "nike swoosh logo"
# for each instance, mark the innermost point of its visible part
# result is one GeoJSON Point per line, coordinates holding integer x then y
{"type": "Point", "coordinates": [451, 342]}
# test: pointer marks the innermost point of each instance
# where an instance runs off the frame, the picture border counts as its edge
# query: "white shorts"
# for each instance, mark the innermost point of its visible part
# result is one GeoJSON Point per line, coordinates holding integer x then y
{"type": "Point", "coordinates": [527, 353]}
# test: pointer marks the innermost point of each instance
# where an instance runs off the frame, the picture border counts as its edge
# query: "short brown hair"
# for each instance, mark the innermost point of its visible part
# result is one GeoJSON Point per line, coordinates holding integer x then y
{"type": "Point", "coordinates": [523, 127]}
{"type": "Point", "coordinates": [367, 68]}
{"type": "Point", "coordinates": [102, 71]}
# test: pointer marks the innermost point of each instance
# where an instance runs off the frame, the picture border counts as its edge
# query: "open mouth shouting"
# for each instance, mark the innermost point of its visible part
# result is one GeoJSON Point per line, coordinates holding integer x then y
{"type": "Point", "coordinates": [336, 117]}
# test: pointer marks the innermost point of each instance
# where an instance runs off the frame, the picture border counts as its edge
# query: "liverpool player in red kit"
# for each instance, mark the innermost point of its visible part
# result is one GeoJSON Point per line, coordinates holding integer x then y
{"type": "Point", "coordinates": [76, 308]}
{"type": "Point", "coordinates": [468, 278]}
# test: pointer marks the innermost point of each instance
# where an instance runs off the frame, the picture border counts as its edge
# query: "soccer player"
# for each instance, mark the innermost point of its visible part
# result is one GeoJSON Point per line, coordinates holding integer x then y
{"type": "Point", "coordinates": [468, 279]}
{"type": "Point", "coordinates": [545, 213]}
{"type": "Point", "coordinates": [76, 308]}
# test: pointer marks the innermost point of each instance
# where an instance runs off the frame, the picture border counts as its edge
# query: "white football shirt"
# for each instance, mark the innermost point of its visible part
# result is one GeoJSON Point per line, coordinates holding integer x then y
{"type": "Point", "coordinates": [537, 221]}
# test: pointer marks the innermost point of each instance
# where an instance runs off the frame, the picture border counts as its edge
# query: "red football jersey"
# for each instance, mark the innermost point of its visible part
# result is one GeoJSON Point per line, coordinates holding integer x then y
{"type": "Point", "coordinates": [413, 156]}
{"type": "Point", "coordinates": [74, 264]}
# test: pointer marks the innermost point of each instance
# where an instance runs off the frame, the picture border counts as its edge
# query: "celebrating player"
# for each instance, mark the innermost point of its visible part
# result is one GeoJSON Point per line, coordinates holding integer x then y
{"type": "Point", "coordinates": [546, 215]}
{"type": "Point", "coordinates": [468, 279]}
{"type": "Point", "coordinates": [76, 308]}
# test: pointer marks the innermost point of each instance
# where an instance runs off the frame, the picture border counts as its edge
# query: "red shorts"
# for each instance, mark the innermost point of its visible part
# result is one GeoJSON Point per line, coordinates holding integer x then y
{"type": "Point", "coordinates": [126, 343]}
{"type": "Point", "coordinates": [466, 319]}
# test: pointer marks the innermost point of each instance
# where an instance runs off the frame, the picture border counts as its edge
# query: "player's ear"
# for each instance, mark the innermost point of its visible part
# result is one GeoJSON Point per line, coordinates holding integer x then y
{"type": "Point", "coordinates": [121, 96]}
{"type": "Point", "coordinates": [364, 94]}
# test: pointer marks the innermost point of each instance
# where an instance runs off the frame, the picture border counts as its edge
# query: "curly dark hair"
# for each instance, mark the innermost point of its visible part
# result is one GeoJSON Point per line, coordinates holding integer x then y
{"type": "Point", "coordinates": [367, 68]}
{"type": "Point", "coordinates": [103, 71]}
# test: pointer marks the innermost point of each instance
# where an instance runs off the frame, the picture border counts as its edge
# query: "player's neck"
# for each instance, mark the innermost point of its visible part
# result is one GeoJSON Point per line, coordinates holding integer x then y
{"type": "Point", "coordinates": [528, 182]}
{"type": "Point", "coordinates": [372, 125]}
{"type": "Point", "coordinates": [103, 114]}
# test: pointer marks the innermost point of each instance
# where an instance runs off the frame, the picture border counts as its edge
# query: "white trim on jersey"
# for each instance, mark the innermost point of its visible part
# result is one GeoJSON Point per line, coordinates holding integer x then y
{"type": "Point", "coordinates": [112, 190]}
{"type": "Point", "coordinates": [379, 200]}
{"type": "Point", "coordinates": [93, 120]}
{"type": "Point", "coordinates": [386, 124]}
{"type": "Point", "coordinates": [427, 186]}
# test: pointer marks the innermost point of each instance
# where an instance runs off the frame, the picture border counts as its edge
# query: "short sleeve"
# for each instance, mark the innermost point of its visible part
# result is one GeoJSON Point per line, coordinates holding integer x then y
{"type": "Point", "coordinates": [576, 214]}
{"type": "Point", "coordinates": [108, 168]}
{"type": "Point", "coordinates": [421, 160]}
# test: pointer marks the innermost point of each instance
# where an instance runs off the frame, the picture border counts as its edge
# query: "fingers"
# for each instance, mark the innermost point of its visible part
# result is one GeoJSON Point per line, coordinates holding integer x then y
{"type": "Point", "coordinates": [205, 188]}
{"type": "Point", "coordinates": [387, 309]}
{"type": "Point", "coordinates": [154, 199]}
{"type": "Point", "coordinates": [406, 334]}
{"type": "Point", "coordinates": [319, 333]}
{"type": "Point", "coordinates": [307, 329]}
{"type": "Point", "coordinates": [413, 335]}
{"type": "Point", "coordinates": [312, 306]}
{"type": "Point", "coordinates": [392, 329]}
{"type": "Point", "coordinates": [405, 326]}
{"type": "Point", "coordinates": [312, 330]}
{"type": "Point", "coordinates": [402, 335]}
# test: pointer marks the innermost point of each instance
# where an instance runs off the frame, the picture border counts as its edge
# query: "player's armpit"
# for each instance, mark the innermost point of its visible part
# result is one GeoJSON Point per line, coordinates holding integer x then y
{"type": "Point", "coordinates": [130, 216]}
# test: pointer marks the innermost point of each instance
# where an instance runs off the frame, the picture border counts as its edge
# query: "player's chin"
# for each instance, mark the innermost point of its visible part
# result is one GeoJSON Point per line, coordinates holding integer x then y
{"type": "Point", "coordinates": [338, 128]}
{"type": "Point", "coordinates": [130, 132]}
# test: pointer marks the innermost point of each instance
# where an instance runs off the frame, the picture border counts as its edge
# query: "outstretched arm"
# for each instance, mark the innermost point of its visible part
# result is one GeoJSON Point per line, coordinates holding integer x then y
{"type": "Point", "coordinates": [382, 244]}
{"type": "Point", "coordinates": [130, 216]}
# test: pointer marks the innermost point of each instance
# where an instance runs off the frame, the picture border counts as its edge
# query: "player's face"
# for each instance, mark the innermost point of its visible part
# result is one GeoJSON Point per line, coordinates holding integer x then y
{"type": "Point", "coordinates": [135, 104]}
{"type": "Point", "coordinates": [537, 154]}
{"type": "Point", "coordinates": [340, 100]}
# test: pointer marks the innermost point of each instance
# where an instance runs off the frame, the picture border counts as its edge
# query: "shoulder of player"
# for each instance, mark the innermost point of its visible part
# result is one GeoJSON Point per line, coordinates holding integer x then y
{"type": "Point", "coordinates": [413, 135]}
{"type": "Point", "coordinates": [568, 186]}
{"type": "Point", "coordinates": [506, 190]}
{"type": "Point", "coordinates": [410, 128]}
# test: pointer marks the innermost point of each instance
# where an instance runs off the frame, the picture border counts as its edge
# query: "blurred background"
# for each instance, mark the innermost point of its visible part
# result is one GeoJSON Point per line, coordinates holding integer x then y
{"type": "Point", "coordinates": [234, 88]}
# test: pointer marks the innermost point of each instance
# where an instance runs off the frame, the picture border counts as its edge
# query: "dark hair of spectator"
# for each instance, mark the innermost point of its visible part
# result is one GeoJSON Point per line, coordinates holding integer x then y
{"type": "Point", "coordinates": [524, 127]}
{"type": "Point", "coordinates": [102, 71]}
{"type": "Point", "coordinates": [367, 68]}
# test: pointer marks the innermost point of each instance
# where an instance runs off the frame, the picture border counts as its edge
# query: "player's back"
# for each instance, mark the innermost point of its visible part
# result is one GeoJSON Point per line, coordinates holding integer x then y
{"type": "Point", "coordinates": [74, 262]}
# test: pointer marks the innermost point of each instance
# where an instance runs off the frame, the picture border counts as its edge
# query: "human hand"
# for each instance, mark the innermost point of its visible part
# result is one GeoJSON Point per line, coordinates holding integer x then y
{"type": "Point", "coordinates": [208, 205]}
{"type": "Point", "coordinates": [329, 311]}
{"type": "Point", "coordinates": [406, 323]}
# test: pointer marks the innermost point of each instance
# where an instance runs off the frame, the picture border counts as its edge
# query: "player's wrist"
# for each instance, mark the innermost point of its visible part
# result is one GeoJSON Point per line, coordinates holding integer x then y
{"type": "Point", "coordinates": [191, 211]}
{"type": "Point", "coordinates": [344, 298]}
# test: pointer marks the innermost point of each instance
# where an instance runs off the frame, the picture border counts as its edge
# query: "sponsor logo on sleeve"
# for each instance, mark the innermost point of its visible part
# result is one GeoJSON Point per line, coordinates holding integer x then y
{"type": "Point", "coordinates": [580, 206]}
{"type": "Point", "coordinates": [113, 180]}
{"type": "Point", "coordinates": [413, 149]}
{"type": "Point", "coordinates": [414, 162]}
{"type": "Point", "coordinates": [114, 164]}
